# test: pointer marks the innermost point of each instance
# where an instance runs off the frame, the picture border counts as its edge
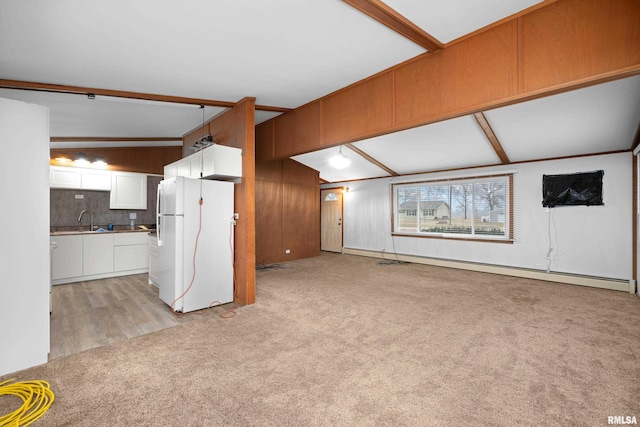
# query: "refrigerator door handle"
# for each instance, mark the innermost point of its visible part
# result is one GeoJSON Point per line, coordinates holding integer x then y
{"type": "Point", "coordinates": [159, 216]}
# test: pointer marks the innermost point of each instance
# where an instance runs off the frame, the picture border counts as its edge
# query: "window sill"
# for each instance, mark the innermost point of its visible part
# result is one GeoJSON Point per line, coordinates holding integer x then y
{"type": "Point", "coordinates": [466, 238]}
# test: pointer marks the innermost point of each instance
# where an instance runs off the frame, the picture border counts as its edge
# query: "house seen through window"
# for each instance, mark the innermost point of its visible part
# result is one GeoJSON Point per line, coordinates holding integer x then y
{"type": "Point", "coordinates": [474, 208]}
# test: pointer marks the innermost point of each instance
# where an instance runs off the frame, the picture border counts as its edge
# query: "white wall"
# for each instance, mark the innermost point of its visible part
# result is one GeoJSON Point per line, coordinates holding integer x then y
{"type": "Point", "coordinates": [592, 241]}
{"type": "Point", "coordinates": [24, 235]}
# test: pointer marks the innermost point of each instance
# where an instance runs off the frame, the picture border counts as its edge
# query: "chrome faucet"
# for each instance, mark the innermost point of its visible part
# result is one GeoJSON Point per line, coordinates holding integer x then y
{"type": "Point", "coordinates": [90, 217]}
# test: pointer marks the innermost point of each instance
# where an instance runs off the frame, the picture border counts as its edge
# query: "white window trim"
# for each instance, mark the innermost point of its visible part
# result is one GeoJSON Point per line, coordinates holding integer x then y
{"type": "Point", "coordinates": [507, 237]}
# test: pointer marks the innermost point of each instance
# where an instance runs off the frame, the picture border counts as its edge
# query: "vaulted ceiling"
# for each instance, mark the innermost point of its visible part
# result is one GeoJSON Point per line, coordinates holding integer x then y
{"type": "Point", "coordinates": [285, 53]}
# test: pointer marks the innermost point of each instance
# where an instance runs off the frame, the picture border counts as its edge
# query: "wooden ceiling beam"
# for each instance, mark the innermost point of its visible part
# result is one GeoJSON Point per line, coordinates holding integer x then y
{"type": "Point", "coordinates": [491, 136]}
{"type": "Point", "coordinates": [114, 139]}
{"type": "Point", "coordinates": [371, 159]}
{"type": "Point", "coordinates": [78, 90]}
{"type": "Point", "coordinates": [392, 19]}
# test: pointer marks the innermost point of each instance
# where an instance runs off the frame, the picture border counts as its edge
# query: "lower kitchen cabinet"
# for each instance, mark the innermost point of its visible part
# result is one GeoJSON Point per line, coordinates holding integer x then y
{"type": "Point", "coordinates": [78, 257]}
{"type": "Point", "coordinates": [97, 254]}
{"type": "Point", "coordinates": [66, 257]}
{"type": "Point", "coordinates": [130, 251]}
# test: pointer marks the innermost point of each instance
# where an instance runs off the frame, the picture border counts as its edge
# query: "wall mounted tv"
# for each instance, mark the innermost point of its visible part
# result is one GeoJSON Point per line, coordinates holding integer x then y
{"type": "Point", "coordinates": [575, 189]}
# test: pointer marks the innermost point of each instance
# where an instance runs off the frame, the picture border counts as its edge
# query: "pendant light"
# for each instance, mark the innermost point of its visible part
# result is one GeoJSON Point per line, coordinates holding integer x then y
{"type": "Point", "coordinates": [205, 141]}
{"type": "Point", "coordinates": [340, 160]}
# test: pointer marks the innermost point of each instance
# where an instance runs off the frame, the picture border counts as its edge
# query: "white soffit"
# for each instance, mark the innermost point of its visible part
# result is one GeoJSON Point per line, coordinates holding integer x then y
{"type": "Point", "coordinates": [359, 168]}
{"type": "Point", "coordinates": [283, 52]}
{"type": "Point", "coordinates": [595, 119]}
{"type": "Point", "coordinates": [454, 143]}
{"type": "Point", "coordinates": [76, 115]}
{"type": "Point", "coordinates": [263, 116]}
{"type": "Point", "coordinates": [101, 144]}
{"type": "Point", "coordinates": [451, 19]}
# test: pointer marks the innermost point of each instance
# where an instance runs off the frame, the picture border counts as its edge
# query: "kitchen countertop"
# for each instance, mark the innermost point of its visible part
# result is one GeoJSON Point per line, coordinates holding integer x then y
{"type": "Point", "coordinates": [128, 230]}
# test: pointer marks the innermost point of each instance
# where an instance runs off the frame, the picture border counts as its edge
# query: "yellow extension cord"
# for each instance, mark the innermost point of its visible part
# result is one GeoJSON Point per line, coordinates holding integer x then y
{"type": "Point", "coordinates": [36, 396]}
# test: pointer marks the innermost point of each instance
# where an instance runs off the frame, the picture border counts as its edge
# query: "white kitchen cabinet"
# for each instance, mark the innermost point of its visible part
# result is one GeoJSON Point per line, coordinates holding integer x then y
{"type": "Point", "coordinates": [171, 170]}
{"type": "Point", "coordinates": [89, 256]}
{"type": "Point", "coordinates": [214, 162]}
{"type": "Point", "coordinates": [154, 260]}
{"type": "Point", "coordinates": [66, 256]}
{"type": "Point", "coordinates": [221, 162]}
{"type": "Point", "coordinates": [79, 178]}
{"type": "Point", "coordinates": [62, 177]}
{"type": "Point", "coordinates": [195, 165]}
{"type": "Point", "coordinates": [128, 191]}
{"type": "Point", "coordinates": [95, 179]}
{"type": "Point", "coordinates": [184, 167]}
{"type": "Point", "coordinates": [130, 251]}
{"type": "Point", "coordinates": [97, 254]}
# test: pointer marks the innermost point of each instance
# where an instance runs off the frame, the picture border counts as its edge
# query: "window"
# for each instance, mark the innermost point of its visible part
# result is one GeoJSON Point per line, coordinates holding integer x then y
{"type": "Point", "coordinates": [473, 208]}
{"type": "Point", "coordinates": [331, 197]}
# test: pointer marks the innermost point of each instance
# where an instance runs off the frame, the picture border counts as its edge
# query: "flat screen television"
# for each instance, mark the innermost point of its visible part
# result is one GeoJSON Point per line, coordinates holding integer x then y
{"type": "Point", "coordinates": [575, 189]}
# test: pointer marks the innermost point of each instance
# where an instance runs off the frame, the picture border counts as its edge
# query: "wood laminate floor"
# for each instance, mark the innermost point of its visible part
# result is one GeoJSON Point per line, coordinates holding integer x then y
{"type": "Point", "coordinates": [94, 313]}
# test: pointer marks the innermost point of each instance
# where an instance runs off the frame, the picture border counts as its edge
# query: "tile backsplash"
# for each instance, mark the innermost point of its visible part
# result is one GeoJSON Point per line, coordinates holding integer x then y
{"type": "Point", "coordinates": [65, 208]}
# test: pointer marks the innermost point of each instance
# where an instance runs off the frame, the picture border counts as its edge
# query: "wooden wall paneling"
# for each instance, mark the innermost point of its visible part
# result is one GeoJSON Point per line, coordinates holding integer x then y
{"type": "Point", "coordinates": [452, 81]}
{"type": "Point", "coordinates": [265, 141]}
{"type": "Point", "coordinates": [171, 154]}
{"type": "Point", "coordinates": [301, 212]}
{"type": "Point", "coordinates": [308, 127]}
{"type": "Point", "coordinates": [236, 128]}
{"type": "Point", "coordinates": [479, 69]}
{"type": "Point", "coordinates": [149, 159]}
{"type": "Point", "coordinates": [269, 213]}
{"type": "Point", "coordinates": [298, 131]}
{"type": "Point", "coordinates": [579, 39]}
{"type": "Point", "coordinates": [361, 109]}
{"type": "Point", "coordinates": [285, 134]}
{"type": "Point", "coordinates": [417, 88]}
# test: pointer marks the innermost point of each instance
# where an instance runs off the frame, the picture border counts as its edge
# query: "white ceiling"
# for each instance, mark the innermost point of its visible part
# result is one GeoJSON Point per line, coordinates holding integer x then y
{"type": "Point", "coordinates": [284, 53]}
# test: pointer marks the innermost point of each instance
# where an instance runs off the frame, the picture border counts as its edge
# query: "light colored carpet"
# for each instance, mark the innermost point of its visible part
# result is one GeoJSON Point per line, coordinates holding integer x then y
{"type": "Point", "coordinates": [341, 340]}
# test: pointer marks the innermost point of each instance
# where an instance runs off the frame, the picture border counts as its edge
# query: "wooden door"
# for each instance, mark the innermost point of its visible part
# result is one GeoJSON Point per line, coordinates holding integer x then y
{"type": "Point", "coordinates": [331, 220]}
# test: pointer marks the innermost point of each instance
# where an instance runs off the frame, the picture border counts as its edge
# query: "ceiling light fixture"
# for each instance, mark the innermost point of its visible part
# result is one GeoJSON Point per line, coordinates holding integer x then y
{"type": "Point", "coordinates": [339, 161]}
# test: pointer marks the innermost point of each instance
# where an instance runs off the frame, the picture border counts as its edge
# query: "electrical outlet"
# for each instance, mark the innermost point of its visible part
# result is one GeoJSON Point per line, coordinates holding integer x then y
{"type": "Point", "coordinates": [133, 215]}
{"type": "Point", "coordinates": [287, 251]}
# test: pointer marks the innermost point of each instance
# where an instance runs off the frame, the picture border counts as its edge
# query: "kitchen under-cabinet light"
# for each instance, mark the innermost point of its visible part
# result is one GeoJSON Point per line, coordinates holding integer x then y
{"type": "Point", "coordinates": [81, 160]}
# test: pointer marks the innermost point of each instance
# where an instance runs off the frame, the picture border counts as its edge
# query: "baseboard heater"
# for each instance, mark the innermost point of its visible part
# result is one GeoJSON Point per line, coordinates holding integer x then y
{"type": "Point", "coordinates": [572, 279]}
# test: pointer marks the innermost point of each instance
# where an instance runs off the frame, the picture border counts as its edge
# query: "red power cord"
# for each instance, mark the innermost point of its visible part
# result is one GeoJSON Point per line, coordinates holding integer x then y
{"type": "Point", "coordinates": [193, 277]}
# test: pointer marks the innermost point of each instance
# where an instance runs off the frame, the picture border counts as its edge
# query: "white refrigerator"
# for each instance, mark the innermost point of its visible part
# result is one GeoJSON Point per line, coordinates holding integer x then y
{"type": "Point", "coordinates": [195, 221]}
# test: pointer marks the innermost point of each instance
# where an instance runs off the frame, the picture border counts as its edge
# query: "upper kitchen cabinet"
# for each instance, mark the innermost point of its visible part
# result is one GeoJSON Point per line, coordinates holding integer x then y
{"type": "Point", "coordinates": [128, 190]}
{"type": "Point", "coordinates": [79, 178]}
{"type": "Point", "coordinates": [214, 162]}
{"type": "Point", "coordinates": [221, 162]}
{"type": "Point", "coordinates": [96, 179]}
